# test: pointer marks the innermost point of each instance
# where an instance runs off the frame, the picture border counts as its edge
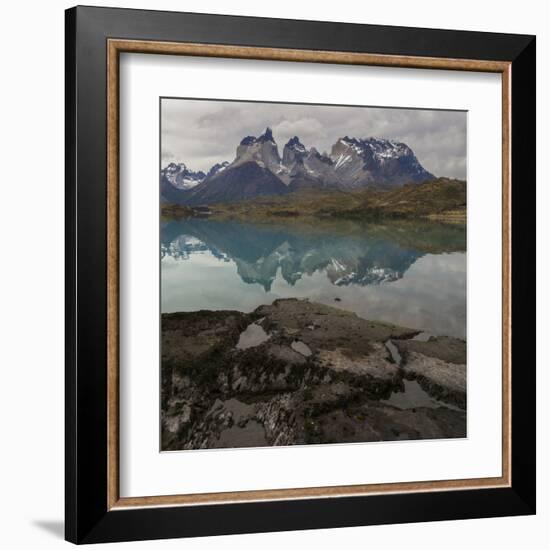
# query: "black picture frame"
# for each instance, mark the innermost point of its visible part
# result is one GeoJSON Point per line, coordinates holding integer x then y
{"type": "Point", "coordinates": [87, 515]}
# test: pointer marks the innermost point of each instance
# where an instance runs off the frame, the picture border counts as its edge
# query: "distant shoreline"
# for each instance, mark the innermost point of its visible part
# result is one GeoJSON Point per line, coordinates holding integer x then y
{"type": "Point", "coordinates": [440, 200]}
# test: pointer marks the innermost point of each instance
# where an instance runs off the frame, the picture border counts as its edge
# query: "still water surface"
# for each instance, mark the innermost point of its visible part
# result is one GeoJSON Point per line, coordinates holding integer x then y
{"type": "Point", "coordinates": [412, 274]}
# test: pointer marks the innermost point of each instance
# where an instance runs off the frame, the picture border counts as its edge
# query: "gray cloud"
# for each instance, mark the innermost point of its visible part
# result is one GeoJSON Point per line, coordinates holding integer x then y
{"type": "Point", "coordinates": [203, 132]}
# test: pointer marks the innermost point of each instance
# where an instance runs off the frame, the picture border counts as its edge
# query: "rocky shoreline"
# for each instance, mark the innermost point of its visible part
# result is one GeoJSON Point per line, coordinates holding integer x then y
{"type": "Point", "coordinates": [297, 372]}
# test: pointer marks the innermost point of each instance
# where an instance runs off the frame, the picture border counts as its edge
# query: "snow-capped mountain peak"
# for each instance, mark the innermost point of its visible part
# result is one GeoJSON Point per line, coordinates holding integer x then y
{"type": "Point", "coordinates": [378, 161]}
{"type": "Point", "coordinates": [181, 177]}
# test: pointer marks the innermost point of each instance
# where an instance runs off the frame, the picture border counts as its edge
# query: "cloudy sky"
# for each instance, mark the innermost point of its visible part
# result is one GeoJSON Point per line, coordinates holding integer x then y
{"type": "Point", "coordinates": [200, 133]}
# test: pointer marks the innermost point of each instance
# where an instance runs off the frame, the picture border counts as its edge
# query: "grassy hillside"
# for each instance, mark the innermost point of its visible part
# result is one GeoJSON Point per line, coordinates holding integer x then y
{"type": "Point", "coordinates": [438, 199]}
{"type": "Point", "coordinates": [442, 199]}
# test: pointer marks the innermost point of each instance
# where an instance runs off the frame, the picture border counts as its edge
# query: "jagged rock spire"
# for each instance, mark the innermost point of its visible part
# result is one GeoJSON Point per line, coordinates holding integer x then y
{"type": "Point", "coordinates": [267, 135]}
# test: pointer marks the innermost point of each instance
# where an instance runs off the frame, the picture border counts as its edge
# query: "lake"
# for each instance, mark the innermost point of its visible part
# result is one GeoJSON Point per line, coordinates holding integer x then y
{"type": "Point", "coordinates": [408, 273]}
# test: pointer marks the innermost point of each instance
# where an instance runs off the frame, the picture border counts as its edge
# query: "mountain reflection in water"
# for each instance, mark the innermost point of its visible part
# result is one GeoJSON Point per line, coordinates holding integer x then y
{"type": "Point", "coordinates": [409, 273]}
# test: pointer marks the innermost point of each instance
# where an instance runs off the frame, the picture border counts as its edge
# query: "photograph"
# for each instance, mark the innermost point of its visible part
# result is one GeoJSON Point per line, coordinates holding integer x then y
{"type": "Point", "coordinates": [313, 268]}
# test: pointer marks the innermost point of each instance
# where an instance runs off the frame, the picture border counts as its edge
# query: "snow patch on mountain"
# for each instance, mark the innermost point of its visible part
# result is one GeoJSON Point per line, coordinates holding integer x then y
{"type": "Point", "coordinates": [181, 177]}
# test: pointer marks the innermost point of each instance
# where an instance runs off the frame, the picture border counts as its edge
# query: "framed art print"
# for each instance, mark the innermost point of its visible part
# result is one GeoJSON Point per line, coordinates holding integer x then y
{"type": "Point", "coordinates": [294, 254]}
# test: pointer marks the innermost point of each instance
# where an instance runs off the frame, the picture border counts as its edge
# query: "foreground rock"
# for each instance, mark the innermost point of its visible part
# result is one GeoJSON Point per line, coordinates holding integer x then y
{"type": "Point", "coordinates": [297, 372]}
{"type": "Point", "coordinates": [439, 366]}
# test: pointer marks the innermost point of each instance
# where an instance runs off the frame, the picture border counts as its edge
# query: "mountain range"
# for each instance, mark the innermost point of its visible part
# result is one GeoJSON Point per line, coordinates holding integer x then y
{"type": "Point", "coordinates": [259, 170]}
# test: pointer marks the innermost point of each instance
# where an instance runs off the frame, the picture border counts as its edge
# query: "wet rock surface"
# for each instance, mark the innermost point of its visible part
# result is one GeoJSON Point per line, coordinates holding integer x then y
{"type": "Point", "coordinates": [439, 366]}
{"type": "Point", "coordinates": [304, 373]}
